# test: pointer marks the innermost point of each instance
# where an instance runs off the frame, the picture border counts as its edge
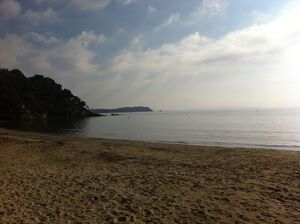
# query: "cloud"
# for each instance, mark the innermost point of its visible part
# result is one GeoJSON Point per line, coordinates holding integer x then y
{"type": "Point", "coordinates": [137, 42]}
{"type": "Point", "coordinates": [42, 39]}
{"type": "Point", "coordinates": [89, 5]}
{"type": "Point", "coordinates": [213, 7]}
{"type": "Point", "coordinates": [208, 8]}
{"type": "Point", "coordinates": [71, 63]}
{"type": "Point", "coordinates": [88, 38]}
{"type": "Point", "coordinates": [68, 62]}
{"type": "Point", "coordinates": [9, 9]}
{"type": "Point", "coordinates": [127, 2]}
{"type": "Point", "coordinates": [170, 21]}
{"type": "Point", "coordinates": [254, 66]}
{"type": "Point", "coordinates": [151, 9]}
{"type": "Point", "coordinates": [38, 17]}
{"type": "Point", "coordinates": [73, 57]}
{"type": "Point", "coordinates": [12, 47]}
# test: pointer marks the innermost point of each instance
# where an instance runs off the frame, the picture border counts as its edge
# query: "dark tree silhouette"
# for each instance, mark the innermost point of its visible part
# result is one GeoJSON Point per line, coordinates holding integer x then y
{"type": "Point", "coordinates": [37, 97]}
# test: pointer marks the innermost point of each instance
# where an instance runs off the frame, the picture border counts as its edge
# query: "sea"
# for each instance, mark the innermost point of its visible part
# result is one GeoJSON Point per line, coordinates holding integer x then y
{"type": "Point", "coordinates": [251, 128]}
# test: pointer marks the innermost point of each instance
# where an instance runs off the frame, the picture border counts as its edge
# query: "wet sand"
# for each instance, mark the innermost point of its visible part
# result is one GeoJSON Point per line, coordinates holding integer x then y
{"type": "Point", "coordinates": [50, 179]}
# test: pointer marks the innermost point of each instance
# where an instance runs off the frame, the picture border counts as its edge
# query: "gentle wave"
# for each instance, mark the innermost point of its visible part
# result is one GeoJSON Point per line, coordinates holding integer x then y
{"type": "Point", "coordinates": [275, 129]}
{"type": "Point", "coordinates": [234, 145]}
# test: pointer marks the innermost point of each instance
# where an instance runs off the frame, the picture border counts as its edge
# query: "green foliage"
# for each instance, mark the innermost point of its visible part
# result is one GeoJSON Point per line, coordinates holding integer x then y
{"type": "Point", "coordinates": [37, 97]}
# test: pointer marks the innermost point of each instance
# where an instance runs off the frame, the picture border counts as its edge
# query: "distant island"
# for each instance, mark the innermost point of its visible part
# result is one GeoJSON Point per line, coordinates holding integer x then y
{"type": "Point", "coordinates": [123, 110]}
{"type": "Point", "coordinates": [37, 97]}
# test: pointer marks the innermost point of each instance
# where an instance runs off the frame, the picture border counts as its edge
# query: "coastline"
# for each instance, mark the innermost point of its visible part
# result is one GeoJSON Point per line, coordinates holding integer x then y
{"type": "Point", "coordinates": [162, 142]}
{"type": "Point", "coordinates": [59, 179]}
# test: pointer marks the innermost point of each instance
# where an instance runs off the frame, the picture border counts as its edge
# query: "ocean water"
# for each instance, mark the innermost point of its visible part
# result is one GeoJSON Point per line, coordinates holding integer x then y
{"type": "Point", "coordinates": [278, 129]}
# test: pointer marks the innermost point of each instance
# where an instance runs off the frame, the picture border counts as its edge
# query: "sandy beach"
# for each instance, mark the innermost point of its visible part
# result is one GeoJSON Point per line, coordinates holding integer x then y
{"type": "Point", "coordinates": [50, 179]}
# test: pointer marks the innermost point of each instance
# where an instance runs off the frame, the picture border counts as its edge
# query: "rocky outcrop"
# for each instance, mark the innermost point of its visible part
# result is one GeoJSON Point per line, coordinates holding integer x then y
{"type": "Point", "coordinates": [123, 110]}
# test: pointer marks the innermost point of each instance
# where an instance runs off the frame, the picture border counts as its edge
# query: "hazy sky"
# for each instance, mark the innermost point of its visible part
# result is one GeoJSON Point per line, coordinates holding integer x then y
{"type": "Point", "coordinates": [164, 54]}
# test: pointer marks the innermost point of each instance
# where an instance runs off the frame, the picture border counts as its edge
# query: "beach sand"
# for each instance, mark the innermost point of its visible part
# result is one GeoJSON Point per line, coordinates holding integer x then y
{"type": "Point", "coordinates": [50, 179]}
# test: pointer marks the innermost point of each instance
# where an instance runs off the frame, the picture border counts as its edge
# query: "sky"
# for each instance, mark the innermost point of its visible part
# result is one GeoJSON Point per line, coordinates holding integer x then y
{"type": "Point", "coordinates": [169, 54]}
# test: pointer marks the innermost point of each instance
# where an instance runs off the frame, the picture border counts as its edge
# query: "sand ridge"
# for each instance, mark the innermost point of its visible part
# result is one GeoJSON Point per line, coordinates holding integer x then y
{"type": "Point", "coordinates": [50, 179]}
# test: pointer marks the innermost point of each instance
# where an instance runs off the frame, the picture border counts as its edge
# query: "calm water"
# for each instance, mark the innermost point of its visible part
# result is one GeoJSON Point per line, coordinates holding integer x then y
{"type": "Point", "coordinates": [266, 128]}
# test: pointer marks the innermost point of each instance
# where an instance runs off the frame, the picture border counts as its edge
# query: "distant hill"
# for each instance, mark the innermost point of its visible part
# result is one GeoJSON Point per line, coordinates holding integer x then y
{"type": "Point", "coordinates": [123, 110]}
{"type": "Point", "coordinates": [37, 97]}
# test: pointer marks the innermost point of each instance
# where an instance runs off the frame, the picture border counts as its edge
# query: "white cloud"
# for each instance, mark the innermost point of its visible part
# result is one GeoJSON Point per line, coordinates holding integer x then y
{"type": "Point", "coordinates": [38, 17]}
{"type": "Point", "coordinates": [170, 21]}
{"type": "Point", "coordinates": [213, 7]}
{"type": "Point", "coordinates": [151, 9]}
{"type": "Point", "coordinates": [9, 9]}
{"type": "Point", "coordinates": [80, 5]}
{"type": "Point", "coordinates": [43, 39]}
{"type": "Point", "coordinates": [71, 63]}
{"type": "Point", "coordinates": [89, 5]}
{"type": "Point", "coordinates": [73, 57]}
{"type": "Point", "coordinates": [87, 38]}
{"type": "Point", "coordinates": [137, 43]}
{"type": "Point", "coordinates": [208, 8]}
{"type": "Point", "coordinates": [254, 66]}
{"type": "Point", "coordinates": [12, 47]}
{"type": "Point", "coordinates": [67, 62]}
{"type": "Point", "coordinates": [127, 2]}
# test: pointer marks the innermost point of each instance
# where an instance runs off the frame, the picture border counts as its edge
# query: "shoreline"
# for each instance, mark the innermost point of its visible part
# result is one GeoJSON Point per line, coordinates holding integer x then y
{"type": "Point", "coordinates": [64, 136]}
{"type": "Point", "coordinates": [60, 179]}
